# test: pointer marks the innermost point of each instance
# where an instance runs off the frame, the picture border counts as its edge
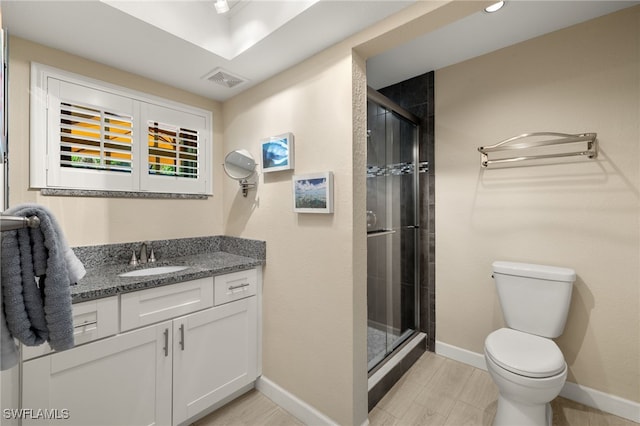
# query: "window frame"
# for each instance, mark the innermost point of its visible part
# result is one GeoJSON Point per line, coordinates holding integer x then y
{"type": "Point", "coordinates": [44, 145]}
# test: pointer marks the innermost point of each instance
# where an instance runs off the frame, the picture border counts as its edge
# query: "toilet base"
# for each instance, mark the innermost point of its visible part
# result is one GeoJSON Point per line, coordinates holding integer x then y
{"type": "Point", "coordinates": [512, 413]}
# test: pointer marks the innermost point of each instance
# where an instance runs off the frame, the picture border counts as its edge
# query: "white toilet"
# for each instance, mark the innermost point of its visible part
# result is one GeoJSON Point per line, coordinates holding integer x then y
{"type": "Point", "coordinates": [526, 365]}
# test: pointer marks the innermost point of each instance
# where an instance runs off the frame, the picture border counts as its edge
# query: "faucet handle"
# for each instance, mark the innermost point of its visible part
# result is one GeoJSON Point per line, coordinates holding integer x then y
{"type": "Point", "coordinates": [134, 260]}
{"type": "Point", "coordinates": [152, 256]}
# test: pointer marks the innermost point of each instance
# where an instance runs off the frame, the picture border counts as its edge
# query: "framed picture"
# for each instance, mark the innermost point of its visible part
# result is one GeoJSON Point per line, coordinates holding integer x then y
{"type": "Point", "coordinates": [277, 153]}
{"type": "Point", "coordinates": [313, 193]}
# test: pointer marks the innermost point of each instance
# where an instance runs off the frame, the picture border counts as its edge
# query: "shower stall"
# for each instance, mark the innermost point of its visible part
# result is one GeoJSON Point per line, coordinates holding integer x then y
{"type": "Point", "coordinates": [392, 227]}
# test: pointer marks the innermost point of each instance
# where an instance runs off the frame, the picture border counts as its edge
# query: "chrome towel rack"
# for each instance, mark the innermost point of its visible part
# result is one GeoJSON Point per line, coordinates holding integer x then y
{"type": "Point", "coordinates": [9, 223]}
{"type": "Point", "coordinates": [525, 142]}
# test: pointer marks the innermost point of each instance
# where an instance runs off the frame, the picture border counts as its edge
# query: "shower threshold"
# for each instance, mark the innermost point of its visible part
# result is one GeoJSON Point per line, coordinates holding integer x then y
{"type": "Point", "coordinates": [377, 347]}
{"type": "Point", "coordinates": [388, 372]}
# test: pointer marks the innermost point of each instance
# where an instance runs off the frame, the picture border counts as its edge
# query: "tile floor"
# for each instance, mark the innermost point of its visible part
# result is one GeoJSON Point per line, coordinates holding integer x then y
{"type": "Point", "coordinates": [250, 409]}
{"type": "Point", "coordinates": [435, 391]}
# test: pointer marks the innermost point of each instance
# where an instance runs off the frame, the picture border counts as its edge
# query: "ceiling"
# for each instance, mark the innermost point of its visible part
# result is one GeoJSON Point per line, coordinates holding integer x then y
{"type": "Point", "coordinates": [482, 33]}
{"type": "Point", "coordinates": [183, 43]}
{"type": "Point", "coordinates": [180, 42]}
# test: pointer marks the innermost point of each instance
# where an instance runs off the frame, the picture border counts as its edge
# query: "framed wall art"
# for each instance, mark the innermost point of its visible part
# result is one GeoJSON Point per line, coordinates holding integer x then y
{"type": "Point", "coordinates": [277, 153]}
{"type": "Point", "coordinates": [313, 193]}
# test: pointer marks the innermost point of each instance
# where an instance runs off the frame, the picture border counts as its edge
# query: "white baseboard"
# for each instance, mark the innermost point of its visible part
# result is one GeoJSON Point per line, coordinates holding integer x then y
{"type": "Point", "coordinates": [593, 398]}
{"type": "Point", "coordinates": [294, 405]}
{"type": "Point", "coordinates": [602, 401]}
{"type": "Point", "coordinates": [463, 355]}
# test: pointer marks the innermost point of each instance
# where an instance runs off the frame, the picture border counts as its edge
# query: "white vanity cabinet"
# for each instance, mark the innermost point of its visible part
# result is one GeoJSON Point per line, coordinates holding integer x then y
{"type": "Point", "coordinates": [121, 380]}
{"type": "Point", "coordinates": [215, 355]}
{"type": "Point", "coordinates": [180, 352]}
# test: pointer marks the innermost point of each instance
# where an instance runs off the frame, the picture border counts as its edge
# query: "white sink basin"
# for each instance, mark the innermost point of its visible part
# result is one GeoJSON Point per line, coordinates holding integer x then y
{"type": "Point", "coordinates": [153, 271]}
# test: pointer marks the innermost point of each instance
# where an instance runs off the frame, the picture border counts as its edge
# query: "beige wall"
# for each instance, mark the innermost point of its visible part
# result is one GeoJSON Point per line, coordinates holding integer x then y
{"type": "Point", "coordinates": [309, 322]}
{"type": "Point", "coordinates": [584, 216]}
{"type": "Point", "coordinates": [89, 221]}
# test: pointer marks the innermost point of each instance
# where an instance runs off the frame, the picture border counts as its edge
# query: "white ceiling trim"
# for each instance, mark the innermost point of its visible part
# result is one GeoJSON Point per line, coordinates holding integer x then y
{"type": "Point", "coordinates": [225, 35]}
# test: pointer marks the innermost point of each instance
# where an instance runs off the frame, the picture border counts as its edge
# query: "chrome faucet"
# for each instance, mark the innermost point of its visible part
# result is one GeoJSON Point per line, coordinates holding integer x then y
{"type": "Point", "coordinates": [143, 252]}
{"type": "Point", "coordinates": [146, 253]}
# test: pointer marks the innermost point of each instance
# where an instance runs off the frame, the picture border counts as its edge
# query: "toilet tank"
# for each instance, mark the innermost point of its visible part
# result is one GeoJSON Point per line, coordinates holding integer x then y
{"type": "Point", "coordinates": [534, 298]}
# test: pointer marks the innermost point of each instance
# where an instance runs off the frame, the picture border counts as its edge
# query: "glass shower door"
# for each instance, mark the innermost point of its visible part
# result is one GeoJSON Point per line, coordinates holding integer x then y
{"type": "Point", "coordinates": [392, 231]}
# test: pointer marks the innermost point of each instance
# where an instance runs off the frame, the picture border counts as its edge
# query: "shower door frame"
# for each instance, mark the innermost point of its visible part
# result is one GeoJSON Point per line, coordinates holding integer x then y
{"type": "Point", "coordinates": [378, 98]}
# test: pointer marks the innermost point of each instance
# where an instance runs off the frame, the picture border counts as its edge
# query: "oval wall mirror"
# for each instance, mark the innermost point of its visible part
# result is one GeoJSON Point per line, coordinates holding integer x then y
{"type": "Point", "coordinates": [240, 165]}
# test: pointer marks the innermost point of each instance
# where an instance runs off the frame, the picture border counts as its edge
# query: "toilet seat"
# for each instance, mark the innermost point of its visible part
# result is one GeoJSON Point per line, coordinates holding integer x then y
{"type": "Point", "coordinates": [524, 354]}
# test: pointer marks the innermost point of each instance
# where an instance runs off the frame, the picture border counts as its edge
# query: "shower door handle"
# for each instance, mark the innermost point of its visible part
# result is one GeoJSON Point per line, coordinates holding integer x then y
{"type": "Point", "coordinates": [380, 232]}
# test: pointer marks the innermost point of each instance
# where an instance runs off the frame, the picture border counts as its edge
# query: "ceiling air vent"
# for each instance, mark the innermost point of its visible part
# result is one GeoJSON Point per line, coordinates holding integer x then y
{"type": "Point", "coordinates": [224, 78]}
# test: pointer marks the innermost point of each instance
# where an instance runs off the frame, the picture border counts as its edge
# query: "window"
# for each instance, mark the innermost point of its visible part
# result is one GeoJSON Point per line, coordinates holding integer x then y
{"type": "Point", "coordinates": [173, 151]}
{"type": "Point", "coordinates": [95, 139]}
{"type": "Point", "coordinates": [89, 135]}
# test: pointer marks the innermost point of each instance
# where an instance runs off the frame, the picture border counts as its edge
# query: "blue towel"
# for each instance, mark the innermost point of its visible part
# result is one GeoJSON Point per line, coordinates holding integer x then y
{"type": "Point", "coordinates": [38, 268]}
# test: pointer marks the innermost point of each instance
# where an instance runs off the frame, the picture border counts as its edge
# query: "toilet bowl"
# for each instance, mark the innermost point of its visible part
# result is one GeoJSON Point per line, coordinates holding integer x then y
{"type": "Point", "coordinates": [529, 371]}
{"type": "Point", "coordinates": [526, 365]}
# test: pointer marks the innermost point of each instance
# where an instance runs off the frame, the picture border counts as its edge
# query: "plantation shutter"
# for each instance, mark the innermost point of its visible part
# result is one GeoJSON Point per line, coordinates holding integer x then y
{"type": "Point", "coordinates": [175, 150]}
{"type": "Point", "coordinates": [89, 135]}
{"type": "Point", "coordinates": [95, 138]}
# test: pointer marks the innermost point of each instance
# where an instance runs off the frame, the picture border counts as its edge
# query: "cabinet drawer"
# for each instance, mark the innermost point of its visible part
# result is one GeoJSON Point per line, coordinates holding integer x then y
{"type": "Point", "coordinates": [234, 286]}
{"type": "Point", "coordinates": [146, 307]}
{"type": "Point", "coordinates": [92, 320]}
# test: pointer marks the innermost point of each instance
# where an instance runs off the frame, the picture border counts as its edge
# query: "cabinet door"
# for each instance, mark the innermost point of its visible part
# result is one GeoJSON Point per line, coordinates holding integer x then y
{"type": "Point", "coordinates": [215, 354]}
{"type": "Point", "coordinates": [122, 380]}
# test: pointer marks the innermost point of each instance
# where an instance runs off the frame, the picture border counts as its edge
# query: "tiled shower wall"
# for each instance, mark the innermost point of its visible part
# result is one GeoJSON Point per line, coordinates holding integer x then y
{"type": "Point", "coordinates": [417, 96]}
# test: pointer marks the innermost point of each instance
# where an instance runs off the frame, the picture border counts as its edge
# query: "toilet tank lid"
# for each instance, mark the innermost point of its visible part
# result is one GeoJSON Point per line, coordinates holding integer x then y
{"type": "Point", "coordinates": [553, 273]}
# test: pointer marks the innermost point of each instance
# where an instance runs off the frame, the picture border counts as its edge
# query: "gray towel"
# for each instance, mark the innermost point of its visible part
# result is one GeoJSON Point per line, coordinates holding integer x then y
{"type": "Point", "coordinates": [38, 268]}
{"type": "Point", "coordinates": [8, 348]}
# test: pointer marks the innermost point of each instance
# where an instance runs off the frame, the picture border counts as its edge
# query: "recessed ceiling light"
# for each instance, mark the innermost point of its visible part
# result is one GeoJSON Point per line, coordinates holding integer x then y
{"type": "Point", "coordinates": [494, 7]}
{"type": "Point", "coordinates": [221, 6]}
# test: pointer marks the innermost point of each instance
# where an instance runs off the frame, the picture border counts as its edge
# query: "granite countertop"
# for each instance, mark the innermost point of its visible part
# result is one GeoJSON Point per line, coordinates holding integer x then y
{"type": "Point", "coordinates": [103, 280]}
